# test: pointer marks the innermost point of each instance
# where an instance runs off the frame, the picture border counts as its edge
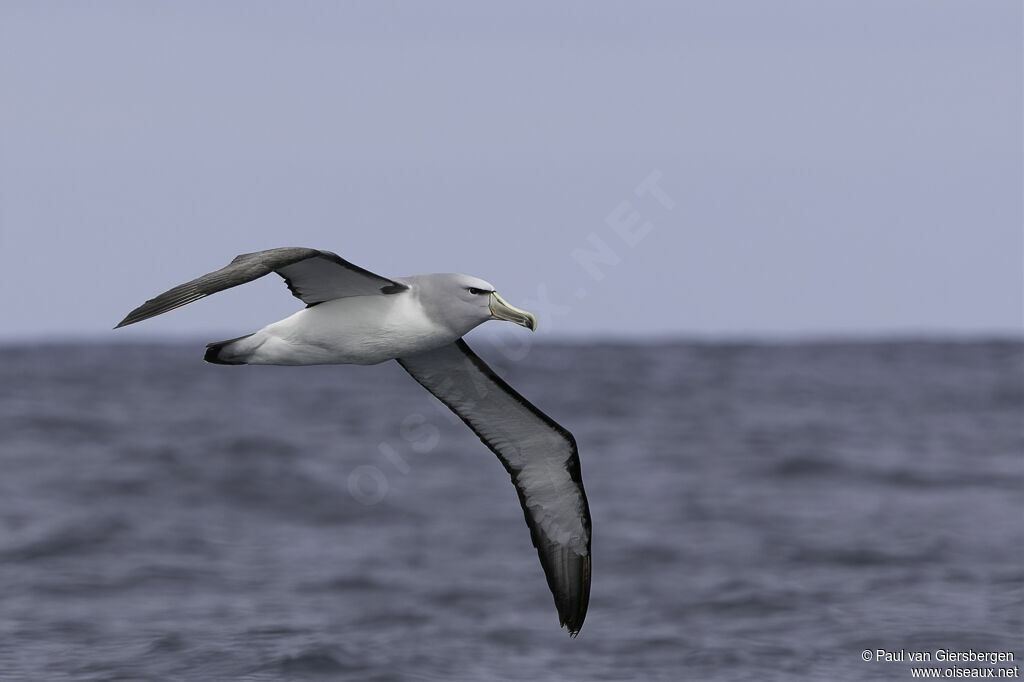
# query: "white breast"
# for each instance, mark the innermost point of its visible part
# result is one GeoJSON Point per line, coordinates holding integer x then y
{"type": "Point", "coordinates": [362, 330]}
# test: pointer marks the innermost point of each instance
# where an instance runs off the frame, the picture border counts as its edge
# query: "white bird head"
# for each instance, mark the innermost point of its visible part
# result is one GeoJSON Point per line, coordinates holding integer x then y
{"type": "Point", "coordinates": [464, 301]}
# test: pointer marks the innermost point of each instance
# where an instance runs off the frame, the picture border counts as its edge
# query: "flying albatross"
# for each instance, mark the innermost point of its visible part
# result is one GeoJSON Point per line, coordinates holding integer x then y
{"type": "Point", "coordinates": [355, 316]}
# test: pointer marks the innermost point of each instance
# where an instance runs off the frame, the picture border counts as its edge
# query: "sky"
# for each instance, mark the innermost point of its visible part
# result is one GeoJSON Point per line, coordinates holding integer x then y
{"type": "Point", "coordinates": [629, 169]}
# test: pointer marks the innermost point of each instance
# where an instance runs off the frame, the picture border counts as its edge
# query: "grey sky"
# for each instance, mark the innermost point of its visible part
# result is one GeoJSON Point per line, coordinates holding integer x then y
{"type": "Point", "coordinates": [840, 167]}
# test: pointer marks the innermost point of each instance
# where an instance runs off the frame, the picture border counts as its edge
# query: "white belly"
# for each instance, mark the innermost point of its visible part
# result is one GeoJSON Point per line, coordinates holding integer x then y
{"type": "Point", "coordinates": [361, 330]}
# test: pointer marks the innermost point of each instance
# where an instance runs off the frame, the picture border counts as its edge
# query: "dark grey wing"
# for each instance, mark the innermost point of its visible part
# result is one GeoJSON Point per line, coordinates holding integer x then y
{"type": "Point", "coordinates": [539, 454]}
{"type": "Point", "coordinates": [312, 275]}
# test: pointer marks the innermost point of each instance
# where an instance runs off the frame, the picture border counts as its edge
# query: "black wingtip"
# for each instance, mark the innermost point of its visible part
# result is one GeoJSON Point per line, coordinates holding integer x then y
{"type": "Point", "coordinates": [130, 318]}
{"type": "Point", "coordinates": [569, 580]}
{"type": "Point", "coordinates": [574, 622]}
{"type": "Point", "coordinates": [573, 628]}
{"type": "Point", "coordinates": [137, 315]}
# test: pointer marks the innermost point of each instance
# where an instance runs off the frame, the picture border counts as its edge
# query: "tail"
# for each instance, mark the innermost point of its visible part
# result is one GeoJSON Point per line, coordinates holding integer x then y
{"type": "Point", "coordinates": [222, 353]}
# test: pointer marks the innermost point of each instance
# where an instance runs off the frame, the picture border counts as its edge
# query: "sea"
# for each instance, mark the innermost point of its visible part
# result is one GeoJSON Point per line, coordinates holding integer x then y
{"type": "Point", "coordinates": [761, 511]}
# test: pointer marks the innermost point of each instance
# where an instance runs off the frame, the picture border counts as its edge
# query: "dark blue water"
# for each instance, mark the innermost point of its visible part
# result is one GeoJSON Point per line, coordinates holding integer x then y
{"type": "Point", "coordinates": [760, 512]}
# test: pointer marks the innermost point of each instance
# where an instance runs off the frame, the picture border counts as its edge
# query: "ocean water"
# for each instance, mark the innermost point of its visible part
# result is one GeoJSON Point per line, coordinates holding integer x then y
{"type": "Point", "coordinates": [760, 512]}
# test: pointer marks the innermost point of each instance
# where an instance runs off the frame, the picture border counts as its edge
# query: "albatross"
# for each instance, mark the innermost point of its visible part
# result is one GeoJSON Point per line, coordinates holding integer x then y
{"type": "Point", "coordinates": [353, 316]}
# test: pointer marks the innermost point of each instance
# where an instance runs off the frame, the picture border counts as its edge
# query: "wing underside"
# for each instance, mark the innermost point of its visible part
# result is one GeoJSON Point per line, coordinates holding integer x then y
{"type": "Point", "coordinates": [540, 456]}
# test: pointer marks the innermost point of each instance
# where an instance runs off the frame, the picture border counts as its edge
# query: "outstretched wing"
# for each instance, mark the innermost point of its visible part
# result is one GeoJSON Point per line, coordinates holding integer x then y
{"type": "Point", "coordinates": [312, 275]}
{"type": "Point", "coordinates": [539, 454]}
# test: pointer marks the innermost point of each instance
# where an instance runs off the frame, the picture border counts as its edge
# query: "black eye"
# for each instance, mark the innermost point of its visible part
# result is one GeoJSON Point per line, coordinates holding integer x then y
{"type": "Point", "coordinates": [477, 292]}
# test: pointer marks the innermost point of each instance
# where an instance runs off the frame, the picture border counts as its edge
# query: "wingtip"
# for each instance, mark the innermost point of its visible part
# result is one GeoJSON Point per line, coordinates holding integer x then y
{"type": "Point", "coordinates": [130, 318]}
{"type": "Point", "coordinates": [574, 624]}
{"type": "Point", "coordinates": [575, 608]}
{"type": "Point", "coordinates": [568, 576]}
